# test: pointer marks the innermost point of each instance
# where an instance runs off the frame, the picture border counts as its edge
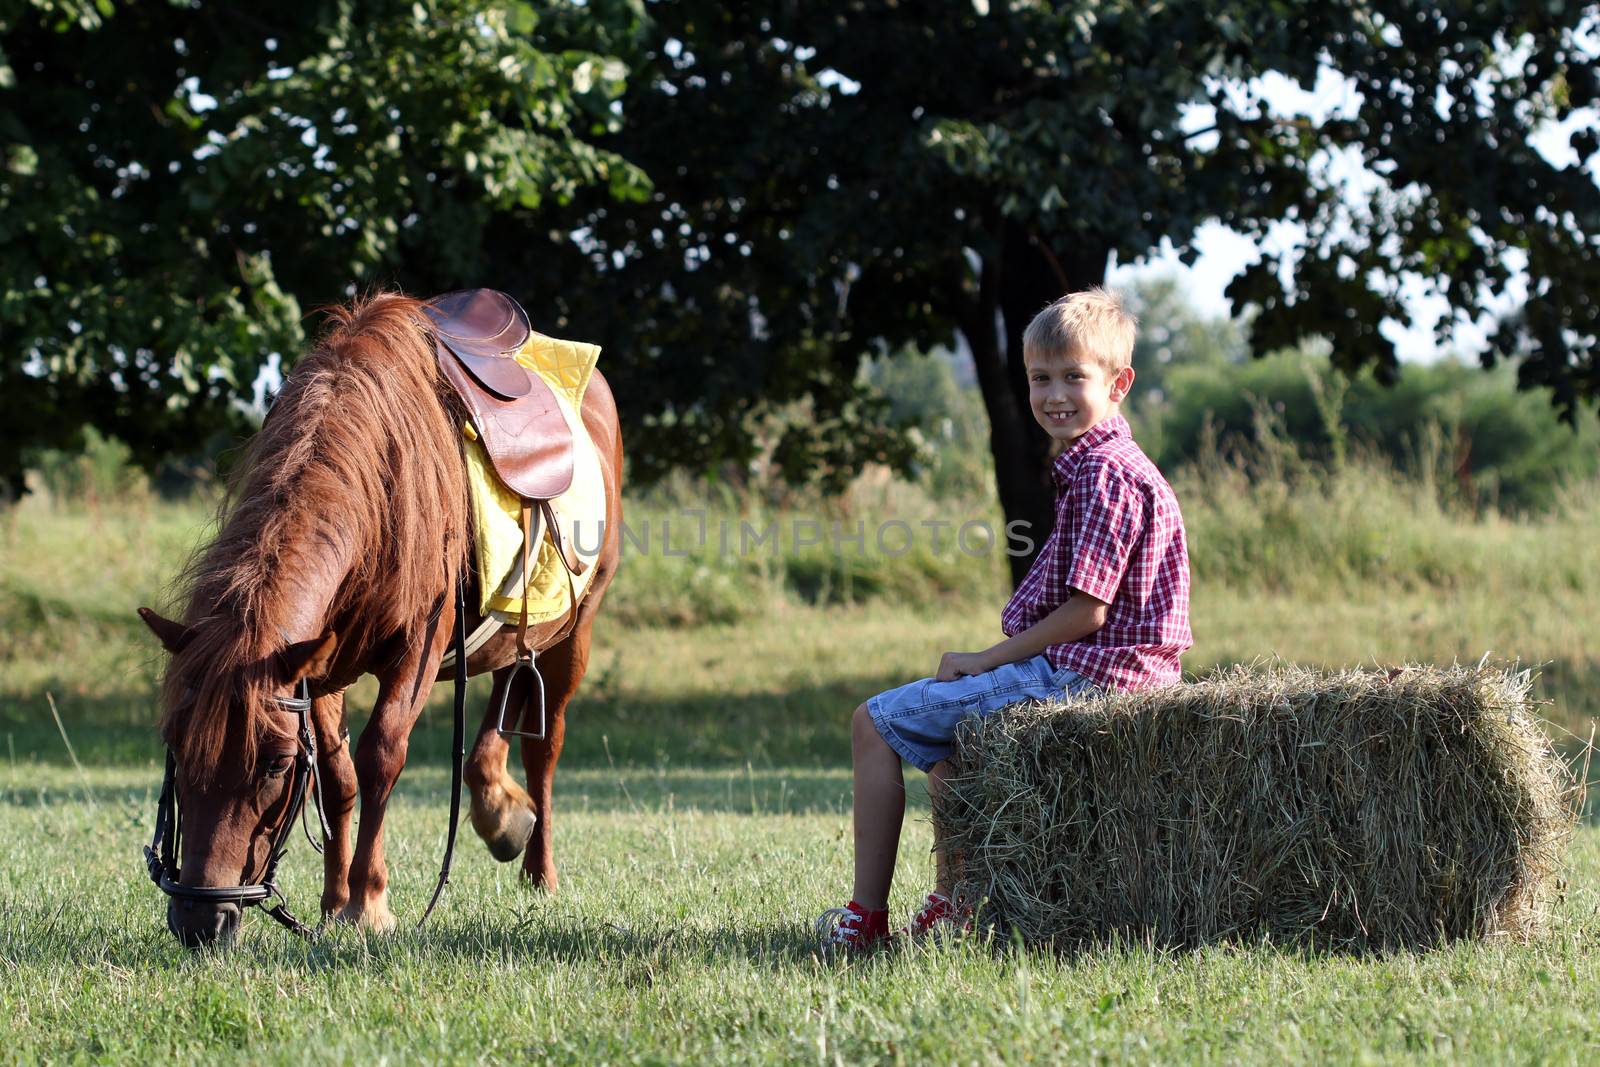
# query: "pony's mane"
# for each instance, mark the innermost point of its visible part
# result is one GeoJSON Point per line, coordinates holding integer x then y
{"type": "Point", "coordinates": [353, 491]}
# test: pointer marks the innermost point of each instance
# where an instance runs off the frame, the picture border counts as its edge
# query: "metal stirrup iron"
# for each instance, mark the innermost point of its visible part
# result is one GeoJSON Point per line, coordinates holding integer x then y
{"type": "Point", "coordinates": [525, 657]}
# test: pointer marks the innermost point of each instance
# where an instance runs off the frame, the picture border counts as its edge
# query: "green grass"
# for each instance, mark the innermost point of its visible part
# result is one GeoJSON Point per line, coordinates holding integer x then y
{"type": "Point", "coordinates": [681, 934]}
{"type": "Point", "coordinates": [703, 818]}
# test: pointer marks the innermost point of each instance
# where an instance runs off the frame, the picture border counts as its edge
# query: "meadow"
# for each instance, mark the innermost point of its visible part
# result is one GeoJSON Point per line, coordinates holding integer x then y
{"type": "Point", "coordinates": [703, 805]}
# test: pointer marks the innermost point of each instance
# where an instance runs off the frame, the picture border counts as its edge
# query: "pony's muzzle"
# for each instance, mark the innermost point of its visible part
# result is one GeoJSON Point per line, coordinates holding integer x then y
{"type": "Point", "coordinates": [198, 923]}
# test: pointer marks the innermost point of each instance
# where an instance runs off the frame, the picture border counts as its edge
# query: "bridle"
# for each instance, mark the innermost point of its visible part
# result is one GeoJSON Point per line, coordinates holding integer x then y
{"type": "Point", "coordinates": [160, 856]}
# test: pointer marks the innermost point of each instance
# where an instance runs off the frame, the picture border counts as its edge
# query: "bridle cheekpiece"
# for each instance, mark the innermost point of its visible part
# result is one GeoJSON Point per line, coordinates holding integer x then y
{"type": "Point", "coordinates": [161, 854]}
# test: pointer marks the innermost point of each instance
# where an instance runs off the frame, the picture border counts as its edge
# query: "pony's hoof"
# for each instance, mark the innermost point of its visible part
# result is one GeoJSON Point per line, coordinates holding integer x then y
{"type": "Point", "coordinates": [374, 919]}
{"type": "Point", "coordinates": [542, 880]}
{"type": "Point", "coordinates": [507, 836]}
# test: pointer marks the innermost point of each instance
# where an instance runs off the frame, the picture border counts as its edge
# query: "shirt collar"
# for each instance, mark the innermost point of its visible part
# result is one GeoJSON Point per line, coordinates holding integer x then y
{"type": "Point", "coordinates": [1098, 434]}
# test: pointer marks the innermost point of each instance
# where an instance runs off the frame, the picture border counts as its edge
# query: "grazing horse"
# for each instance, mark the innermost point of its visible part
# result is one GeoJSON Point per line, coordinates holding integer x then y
{"type": "Point", "coordinates": [340, 545]}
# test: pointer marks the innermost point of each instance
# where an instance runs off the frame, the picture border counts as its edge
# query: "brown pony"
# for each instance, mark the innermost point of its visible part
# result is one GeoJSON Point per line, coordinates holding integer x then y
{"type": "Point", "coordinates": [341, 541]}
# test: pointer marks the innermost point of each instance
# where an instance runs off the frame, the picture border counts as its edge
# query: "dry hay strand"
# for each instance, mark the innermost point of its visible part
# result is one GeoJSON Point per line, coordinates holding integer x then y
{"type": "Point", "coordinates": [1357, 810]}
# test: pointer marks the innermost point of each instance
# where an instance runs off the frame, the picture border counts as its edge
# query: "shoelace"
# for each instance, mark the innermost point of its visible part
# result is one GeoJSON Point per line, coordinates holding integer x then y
{"type": "Point", "coordinates": [936, 908]}
{"type": "Point", "coordinates": [839, 926]}
{"type": "Point", "coordinates": [938, 914]}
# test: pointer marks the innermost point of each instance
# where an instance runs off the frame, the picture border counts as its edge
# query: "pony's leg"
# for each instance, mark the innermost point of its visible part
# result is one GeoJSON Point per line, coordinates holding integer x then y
{"type": "Point", "coordinates": [562, 667]}
{"type": "Point", "coordinates": [380, 756]}
{"type": "Point", "coordinates": [502, 811]}
{"type": "Point", "coordinates": [337, 772]}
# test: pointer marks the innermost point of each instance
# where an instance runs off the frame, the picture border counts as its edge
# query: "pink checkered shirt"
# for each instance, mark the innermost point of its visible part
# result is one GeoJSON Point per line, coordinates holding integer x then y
{"type": "Point", "coordinates": [1118, 537]}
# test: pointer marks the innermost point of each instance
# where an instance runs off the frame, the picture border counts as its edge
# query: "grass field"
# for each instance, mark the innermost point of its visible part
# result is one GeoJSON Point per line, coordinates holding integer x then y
{"type": "Point", "coordinates": [703, 821]}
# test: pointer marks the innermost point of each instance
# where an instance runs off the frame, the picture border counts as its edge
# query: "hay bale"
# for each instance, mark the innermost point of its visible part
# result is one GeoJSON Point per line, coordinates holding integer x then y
{"type": "Point", "coordinates": [1359, 810]}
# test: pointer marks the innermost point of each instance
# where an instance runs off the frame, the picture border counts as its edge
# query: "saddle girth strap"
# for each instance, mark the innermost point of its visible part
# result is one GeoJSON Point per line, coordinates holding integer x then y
{"type": "Point", "coordinates": [524, 652]}
{"type": "Point", "coordinates": [564, 547]}
{"type": "Point", "coordinates": [571, 562]}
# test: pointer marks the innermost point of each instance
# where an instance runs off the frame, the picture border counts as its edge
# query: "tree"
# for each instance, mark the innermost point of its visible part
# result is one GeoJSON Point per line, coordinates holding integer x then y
{"type": "Point", "coordinates": [834, 180]}
{"type": "Point", "coordinates": [182, 181]}
{"type": "Point", "coordinates": [773, 192]}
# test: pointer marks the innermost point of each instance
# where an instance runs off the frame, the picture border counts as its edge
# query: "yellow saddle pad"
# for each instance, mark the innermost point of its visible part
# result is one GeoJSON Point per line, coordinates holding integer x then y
{"type": "Point", "coordinates": [580, 511]}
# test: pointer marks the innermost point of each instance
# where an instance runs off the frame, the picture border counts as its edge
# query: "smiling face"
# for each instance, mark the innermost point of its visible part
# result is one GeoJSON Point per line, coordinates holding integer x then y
{"type": "Point", "coordinates": [1070, 393]}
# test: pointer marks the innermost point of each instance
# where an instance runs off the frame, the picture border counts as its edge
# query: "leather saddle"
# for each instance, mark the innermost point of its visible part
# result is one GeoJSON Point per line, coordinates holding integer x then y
{"type": "Point", "coordinates": [477, 334]}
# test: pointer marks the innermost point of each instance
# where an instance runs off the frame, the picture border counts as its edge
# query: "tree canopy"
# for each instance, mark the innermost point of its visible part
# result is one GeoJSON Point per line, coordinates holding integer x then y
{"type": "Point", "coordinates": [740, 201]}
{"type": "Point", "coordinates": [184, 181]}
{"type": "Point", "coordinates": [883, 174]}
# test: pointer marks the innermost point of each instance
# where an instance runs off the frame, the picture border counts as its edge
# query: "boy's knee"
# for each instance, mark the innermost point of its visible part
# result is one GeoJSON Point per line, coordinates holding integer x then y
{"type": "Point", "coordinates": [862, 729]}
{"type": "Point", "coordinates": [861, 719]}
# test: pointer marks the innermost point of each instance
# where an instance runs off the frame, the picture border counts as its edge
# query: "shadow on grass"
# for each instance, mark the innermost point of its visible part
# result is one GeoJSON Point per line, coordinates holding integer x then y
{"type": "Point", "coordinates": [635, 956]}
{"type": "Point", "coordinates": [639, 955]}
{"type": "Point", "coordinates": [741, 752]}
{"type": "Point", "coordinates": [804, 726]}
{"type": "Point", "coordinates": [117, 729]}
{"type": "Point", "coordinates": [745, 791]}
{"type": "Point", "coordinates": [117, 798]}
{"type": "Point", "coordinates": [636, 791]}
{"type": "Point", "coordinates": [642, 954]}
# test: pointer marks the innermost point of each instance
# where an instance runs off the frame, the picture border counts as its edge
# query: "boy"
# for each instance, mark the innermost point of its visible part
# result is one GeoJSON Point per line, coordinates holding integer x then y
{"type": "Point", "coordinates": [1106, 604]}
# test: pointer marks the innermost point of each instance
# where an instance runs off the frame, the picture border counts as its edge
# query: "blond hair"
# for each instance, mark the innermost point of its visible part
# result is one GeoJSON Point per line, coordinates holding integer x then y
{"type": "Point", "coordinates": [1094, 323]}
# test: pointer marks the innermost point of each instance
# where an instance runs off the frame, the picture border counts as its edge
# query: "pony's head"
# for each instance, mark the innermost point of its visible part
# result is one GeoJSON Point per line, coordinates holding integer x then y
{"type": "Point", "coordinates": [236, 749]}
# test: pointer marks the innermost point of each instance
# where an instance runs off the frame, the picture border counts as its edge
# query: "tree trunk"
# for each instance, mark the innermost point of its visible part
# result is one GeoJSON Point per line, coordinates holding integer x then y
{"type": "Point", "coordinates": [1014, 285]}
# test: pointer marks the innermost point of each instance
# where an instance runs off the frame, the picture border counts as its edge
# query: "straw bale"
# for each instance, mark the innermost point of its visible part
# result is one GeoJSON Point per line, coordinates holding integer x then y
{"type": "Point", "coordinates": [1356, 810]}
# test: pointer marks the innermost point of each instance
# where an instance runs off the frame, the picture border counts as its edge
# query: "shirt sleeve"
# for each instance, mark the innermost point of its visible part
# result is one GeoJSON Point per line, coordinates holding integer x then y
{"type": "Point", "coordinates": [1109, 516]}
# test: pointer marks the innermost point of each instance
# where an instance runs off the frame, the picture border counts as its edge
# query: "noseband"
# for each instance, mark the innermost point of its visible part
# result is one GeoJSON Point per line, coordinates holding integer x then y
{"type": "Point", "coordinates": [160, 855]}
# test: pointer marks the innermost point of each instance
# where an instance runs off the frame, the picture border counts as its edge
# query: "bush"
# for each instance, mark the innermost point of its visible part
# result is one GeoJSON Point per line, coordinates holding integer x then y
{"type": "Point", "coordinates": [934, 392]}
{"type": "Point", "coordinates": [1501, 447]}
{"type": "Point", "coordinates": [100, 474]}
{"type": "Point", "coordinates": [1273, 516]}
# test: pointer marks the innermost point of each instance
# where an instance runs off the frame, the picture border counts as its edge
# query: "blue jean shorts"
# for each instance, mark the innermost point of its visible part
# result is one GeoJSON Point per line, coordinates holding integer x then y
{"type": "Point", "coordinates": [919, 719]}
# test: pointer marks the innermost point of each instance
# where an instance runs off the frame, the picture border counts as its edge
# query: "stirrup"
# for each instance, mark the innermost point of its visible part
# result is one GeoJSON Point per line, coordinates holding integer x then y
{"type": "Point", "coordinates": [537, 681]}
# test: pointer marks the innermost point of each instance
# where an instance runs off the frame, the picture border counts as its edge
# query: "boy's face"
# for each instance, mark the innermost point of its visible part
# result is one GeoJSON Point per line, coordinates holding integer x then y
{"type": "Point", "coordinates": [1071, 393]}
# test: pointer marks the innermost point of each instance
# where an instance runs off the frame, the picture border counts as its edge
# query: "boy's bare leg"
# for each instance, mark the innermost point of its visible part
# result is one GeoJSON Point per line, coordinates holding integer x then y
{"type": "Point", "coordinates": [946, 866]}
{"type": "Point", "coordinates": [880, 808]}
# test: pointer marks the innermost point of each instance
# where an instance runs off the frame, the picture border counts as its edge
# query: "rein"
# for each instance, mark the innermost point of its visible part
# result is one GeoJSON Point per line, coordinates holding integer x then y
{"type": "Point", "coordinates": [161, 855]}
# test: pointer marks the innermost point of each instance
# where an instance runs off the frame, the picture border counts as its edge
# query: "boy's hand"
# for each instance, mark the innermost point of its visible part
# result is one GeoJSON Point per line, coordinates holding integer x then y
{"type": "Point", "coordinates": [953, 665]}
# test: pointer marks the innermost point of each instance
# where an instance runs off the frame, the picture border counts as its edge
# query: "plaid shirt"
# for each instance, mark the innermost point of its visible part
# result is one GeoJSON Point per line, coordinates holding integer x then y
{"type": "Point", "coordinates": [1119, 538]}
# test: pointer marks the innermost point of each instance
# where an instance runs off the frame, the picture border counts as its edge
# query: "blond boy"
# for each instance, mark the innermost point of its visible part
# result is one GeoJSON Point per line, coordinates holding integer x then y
{"type": "Point", "coordinates": [1105, 605]}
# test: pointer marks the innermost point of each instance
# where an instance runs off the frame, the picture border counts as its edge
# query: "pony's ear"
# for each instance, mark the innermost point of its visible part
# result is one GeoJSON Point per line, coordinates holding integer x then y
{"type": "Point", "coordinates": [174, 636]}
{"type": "Point", "coordinates": [310, 658]}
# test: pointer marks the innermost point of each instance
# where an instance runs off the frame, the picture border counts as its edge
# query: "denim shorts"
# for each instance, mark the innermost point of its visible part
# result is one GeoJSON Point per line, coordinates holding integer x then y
{"type": "Point", "coordinates": [919, 719]}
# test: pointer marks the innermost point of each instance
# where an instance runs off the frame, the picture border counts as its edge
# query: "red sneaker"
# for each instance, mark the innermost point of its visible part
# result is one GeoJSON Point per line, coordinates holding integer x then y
{"type": "Point", "coordinates": [852, 929]}
{"type": "Point", "coordinates": [938, 917]}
